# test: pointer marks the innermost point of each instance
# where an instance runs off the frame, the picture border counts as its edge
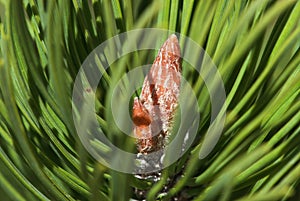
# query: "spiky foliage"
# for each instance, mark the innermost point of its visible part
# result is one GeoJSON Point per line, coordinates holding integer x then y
{"type": "Point", "coordinates": [254, 44]}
